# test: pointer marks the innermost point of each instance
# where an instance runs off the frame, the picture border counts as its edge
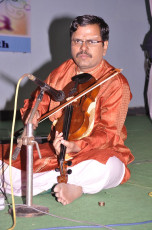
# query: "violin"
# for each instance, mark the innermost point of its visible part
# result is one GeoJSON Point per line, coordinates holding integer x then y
{"type": "Point", "coordinates": [75, 120]}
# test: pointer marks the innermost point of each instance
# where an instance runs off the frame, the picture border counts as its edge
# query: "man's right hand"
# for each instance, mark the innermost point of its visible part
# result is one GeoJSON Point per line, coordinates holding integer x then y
{"type": "Point", "coordinates": [71, 147]}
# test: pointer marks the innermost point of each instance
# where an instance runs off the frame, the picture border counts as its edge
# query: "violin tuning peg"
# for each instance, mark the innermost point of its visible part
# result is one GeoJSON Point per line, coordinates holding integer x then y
{"type": "Point", "coordinates": [69, 171]}
{"type": "Point", "coordinates": [57, 170]}
{"type": "Point", "coordinates": [69, 163]}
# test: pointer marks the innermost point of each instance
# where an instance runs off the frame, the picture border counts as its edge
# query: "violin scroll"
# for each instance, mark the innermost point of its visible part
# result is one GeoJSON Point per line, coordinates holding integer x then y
{"type": "Point", "coordinates": [63, 178]}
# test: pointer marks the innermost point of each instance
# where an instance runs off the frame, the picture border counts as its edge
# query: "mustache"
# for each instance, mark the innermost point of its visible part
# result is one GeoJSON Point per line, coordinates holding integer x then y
{"type": "Point", "coordinates": [83, 52]}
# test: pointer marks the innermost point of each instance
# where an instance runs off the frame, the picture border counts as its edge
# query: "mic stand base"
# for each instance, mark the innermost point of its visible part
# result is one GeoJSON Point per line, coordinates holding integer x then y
{"type": "Point", "coordinates": [29, 211]}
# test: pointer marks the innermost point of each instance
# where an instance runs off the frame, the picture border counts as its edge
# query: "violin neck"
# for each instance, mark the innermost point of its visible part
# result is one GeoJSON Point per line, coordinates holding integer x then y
{"type": "Point", "coordinates": [66, 128]}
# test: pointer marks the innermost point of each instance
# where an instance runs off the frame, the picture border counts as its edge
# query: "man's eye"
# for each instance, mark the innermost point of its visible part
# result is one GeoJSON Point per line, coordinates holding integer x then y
{"type": "Point", "coordinates": [90, 41]}
{"type": "Point", "coordinates": [78, 41]}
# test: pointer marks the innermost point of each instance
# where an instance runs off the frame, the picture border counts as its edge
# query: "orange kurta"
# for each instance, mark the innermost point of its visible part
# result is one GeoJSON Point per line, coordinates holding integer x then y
{"type": "Point", "coordinates": [108, 134]}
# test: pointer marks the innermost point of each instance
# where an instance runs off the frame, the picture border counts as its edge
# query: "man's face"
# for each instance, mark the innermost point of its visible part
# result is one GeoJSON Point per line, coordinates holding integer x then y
{"type": "Point", "coordinates": [86, 53]}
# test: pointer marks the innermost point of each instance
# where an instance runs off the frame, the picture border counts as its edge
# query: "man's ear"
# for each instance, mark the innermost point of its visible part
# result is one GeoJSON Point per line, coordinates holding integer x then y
{"type": "Point", "coordinates": [105, 47]}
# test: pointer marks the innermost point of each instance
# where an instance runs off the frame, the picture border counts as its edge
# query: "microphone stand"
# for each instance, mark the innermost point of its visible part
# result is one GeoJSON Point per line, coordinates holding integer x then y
{"type": "Point", "coordinates": [29, 210]}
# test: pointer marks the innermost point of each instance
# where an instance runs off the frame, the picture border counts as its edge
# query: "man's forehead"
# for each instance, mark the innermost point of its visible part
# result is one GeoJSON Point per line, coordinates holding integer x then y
{"type": "Point", "coordinates": [93, 30]}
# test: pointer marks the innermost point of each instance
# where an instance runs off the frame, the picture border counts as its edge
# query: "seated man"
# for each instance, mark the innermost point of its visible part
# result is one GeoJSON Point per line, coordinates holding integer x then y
{"type": "Point", "coordinates": [99, 157]}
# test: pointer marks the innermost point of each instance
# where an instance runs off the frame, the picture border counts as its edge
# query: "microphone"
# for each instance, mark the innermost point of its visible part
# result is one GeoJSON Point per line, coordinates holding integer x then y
{"type": "Point", "coordinates": [58, 95]}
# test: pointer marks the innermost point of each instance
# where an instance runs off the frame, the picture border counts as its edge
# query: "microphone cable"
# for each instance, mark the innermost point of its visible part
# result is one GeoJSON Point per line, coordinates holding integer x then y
{"type": "Point", "coordinates": [11, 150]}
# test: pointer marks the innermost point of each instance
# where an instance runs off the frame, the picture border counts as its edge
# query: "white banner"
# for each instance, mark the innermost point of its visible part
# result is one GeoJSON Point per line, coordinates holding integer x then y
{"type": "Point", "coordinates": [15, 25]}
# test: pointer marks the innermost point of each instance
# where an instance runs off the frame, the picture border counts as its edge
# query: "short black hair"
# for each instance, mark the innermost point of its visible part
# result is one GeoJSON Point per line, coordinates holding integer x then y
{"type": "Point", "coordinates": [90, 20]}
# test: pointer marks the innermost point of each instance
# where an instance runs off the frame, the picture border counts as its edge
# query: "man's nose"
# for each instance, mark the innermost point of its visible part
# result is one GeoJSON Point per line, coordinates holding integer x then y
{"type": "Point", "coordinates": [84, 45]}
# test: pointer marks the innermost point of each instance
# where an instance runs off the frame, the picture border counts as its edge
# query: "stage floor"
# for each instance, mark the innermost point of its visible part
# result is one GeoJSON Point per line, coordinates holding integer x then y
{"type": "Point", "coordinates": [127, 207]}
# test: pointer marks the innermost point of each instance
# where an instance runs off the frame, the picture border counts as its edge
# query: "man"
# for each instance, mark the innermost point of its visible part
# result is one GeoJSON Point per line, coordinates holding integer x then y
{"type": "Point", "coordinates": [147, 47]}
{"type": "Point", "coordinates": [99, 158]}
